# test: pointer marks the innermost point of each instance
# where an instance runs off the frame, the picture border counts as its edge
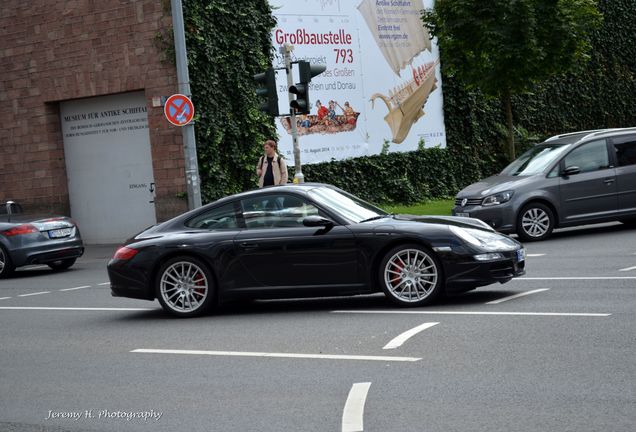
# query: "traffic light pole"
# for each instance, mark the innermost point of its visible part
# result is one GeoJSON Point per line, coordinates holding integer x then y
{"type": "Point", "coordinates": [286, 50]}
{"type": "Point", "coordinates": [193, 183]}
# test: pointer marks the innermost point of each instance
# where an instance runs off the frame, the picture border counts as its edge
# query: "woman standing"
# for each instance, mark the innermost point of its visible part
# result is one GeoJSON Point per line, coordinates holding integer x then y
{"type": "Point", "coordinates": [271, 168]}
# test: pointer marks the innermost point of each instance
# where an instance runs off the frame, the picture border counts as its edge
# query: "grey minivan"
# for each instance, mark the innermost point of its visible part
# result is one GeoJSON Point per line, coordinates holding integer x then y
{"type": "Point", "coordinates": [572, 179]}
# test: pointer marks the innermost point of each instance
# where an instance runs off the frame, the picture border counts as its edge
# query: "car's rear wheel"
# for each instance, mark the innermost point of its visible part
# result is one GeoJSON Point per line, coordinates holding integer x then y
{"type": "Point", "coordinates": [411, 275]}
{"type": "Point", "coordinates": [535, 222]}
{"type": "Point", "coordinates": [6, 266]}
{"type": "Point", "coordinates": [62, 264]}
{"type": "Point", "coordinates": [185, 287]}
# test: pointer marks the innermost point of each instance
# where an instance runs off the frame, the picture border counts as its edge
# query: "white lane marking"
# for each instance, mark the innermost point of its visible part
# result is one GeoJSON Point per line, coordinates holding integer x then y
{"type": "Point", "coordinates": [400, 339]}
{"type": "Point", "coordinates": [4, 298]}
{"type": "Point", "coordinates": [353, 413]}
{"type": "Point", "coordinates": [76, 288]}
{"type": "Point", "coordinates": [628, 269]}
{"type": "Point", "coordinates": [512, 297]}
{"type": "Point", "coordinates": [105, 283]}
{"type": "Point", "coordinates": [535, 255]}
{"type": "Point", "coordinates": [32, 294]}
{"type": "Point", "coordinates": [277, 355]}
{"type": "Point", "coordinates": [37, 267]}
{"type": "Point", "coordinates": [71, 308]}
{"type": "Point", "coordinates": [575, 278]}
{"type": "Point", "coordinates": [473, 313]}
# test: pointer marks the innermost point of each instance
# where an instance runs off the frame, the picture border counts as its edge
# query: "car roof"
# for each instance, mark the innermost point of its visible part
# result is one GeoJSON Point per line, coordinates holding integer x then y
{"type": "Point", "coordinates": [574, 137]}
{"type": "Point", "coordinates": [289, 187]}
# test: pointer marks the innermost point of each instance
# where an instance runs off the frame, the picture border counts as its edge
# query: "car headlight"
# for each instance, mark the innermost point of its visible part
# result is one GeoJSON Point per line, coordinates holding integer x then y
{"type": "Point", "coordinates": [497, 199]}
{"type": "Point", "coordinates": [486, 240]}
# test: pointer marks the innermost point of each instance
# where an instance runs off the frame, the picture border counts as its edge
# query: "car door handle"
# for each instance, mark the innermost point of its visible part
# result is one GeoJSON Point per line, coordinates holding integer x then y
{"type": "Point", "coordinates": [609, 181]}
{"type": "Point", "coordinates": [247, 246]}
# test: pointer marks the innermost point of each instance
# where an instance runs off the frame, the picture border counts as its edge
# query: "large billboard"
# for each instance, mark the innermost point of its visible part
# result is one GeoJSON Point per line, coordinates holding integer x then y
{"type": "Point", "coordinates": [382, 85]}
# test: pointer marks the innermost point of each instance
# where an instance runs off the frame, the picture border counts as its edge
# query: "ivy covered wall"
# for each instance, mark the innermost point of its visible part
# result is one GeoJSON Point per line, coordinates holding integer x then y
{"type": "Point", "coordinates": [227, 45]}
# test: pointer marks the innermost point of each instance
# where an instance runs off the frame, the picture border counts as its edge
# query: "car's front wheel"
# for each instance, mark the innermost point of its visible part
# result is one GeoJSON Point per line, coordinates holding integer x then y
{"type": "Point", "coordinates": [6, 266]}
{"type": "Point", "coordinates": [535, 222]}
{"type": "Point", "coordinates": [184, 287]}
{"type": "Point", "coordinates": [411, 275]}
{"type": "Point", "coordinates": [62, 264]}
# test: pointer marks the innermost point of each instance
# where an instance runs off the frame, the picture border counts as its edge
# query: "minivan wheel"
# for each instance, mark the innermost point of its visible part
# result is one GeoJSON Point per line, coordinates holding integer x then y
{"type": "Point", "coordinates": [535, 222]}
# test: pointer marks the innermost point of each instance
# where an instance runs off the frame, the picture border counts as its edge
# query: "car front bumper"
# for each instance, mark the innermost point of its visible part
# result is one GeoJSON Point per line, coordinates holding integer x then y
{"type": "Point", "coordinates": [501, 217]}
{"type": "Point", "coordinates": [466, 273]}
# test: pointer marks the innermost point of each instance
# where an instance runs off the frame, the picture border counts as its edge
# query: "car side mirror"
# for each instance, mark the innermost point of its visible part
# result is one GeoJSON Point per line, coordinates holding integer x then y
{"type": "Point", "coordinates": [317, 221]}
{"type": "Point", "coordinates": [571, 170]}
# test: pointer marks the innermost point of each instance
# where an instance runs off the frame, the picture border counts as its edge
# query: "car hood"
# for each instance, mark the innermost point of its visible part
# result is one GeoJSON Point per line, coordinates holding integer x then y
{"type": "Point", "coordinates": [462, 222]}
{"type": "Point", "coordinates": [493, 185]}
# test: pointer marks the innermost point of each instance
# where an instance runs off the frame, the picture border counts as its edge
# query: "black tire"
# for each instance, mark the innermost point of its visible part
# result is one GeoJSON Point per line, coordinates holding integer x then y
{"type": "Point", "coordinates": [6, 266]}
{"type": "Point", "coordinates": [535, 222]}
{"type": "Point", "coordinates": [62, 264]}
{"type": "Point", "coordinates": [181, 281]}
{"type": "Point", "coordinates": [414, 268]}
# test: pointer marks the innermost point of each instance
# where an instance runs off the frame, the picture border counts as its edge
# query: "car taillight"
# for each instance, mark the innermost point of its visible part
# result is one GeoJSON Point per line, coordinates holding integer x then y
{"type": "Point", "coordinates": [20, 230]}
{"type": "Point", "coordinates": [125, 253]}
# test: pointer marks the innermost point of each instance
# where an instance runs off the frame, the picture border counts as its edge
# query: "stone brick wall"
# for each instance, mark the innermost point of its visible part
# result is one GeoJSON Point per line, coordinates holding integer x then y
{"type": "Point", "coordinates": [52, 51]}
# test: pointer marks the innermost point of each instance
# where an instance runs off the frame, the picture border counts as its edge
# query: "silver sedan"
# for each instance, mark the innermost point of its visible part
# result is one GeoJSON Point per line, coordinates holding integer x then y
{"type": "Point", "coordinates": [25, 240]}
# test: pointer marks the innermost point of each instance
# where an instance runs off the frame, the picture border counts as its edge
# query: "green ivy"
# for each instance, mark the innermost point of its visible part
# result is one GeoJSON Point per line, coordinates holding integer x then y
{"type": "Point", "coordinates": [227, 44]}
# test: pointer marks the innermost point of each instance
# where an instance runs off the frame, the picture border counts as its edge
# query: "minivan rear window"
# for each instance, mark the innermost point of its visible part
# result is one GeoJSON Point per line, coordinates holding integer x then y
{"type": "Point", "coordinates": [535, 160]}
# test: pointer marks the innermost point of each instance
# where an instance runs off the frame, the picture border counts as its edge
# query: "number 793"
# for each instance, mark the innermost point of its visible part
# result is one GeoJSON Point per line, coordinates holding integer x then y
{"type": "Point", "coordinates": [344, 55]}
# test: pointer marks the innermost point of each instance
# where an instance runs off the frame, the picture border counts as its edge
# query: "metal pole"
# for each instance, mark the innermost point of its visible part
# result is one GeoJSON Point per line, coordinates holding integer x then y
{"type": "Point", "coordinates": [183, 77]}
{"type": "Point", "coordinates": [286, 50]}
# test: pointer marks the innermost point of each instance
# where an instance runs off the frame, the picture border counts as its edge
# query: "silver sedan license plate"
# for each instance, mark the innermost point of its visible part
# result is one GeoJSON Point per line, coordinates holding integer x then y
{"type": "Point", "coordinates": [64, 232]}
{"type": "Point", "coordinates": [462, 214]}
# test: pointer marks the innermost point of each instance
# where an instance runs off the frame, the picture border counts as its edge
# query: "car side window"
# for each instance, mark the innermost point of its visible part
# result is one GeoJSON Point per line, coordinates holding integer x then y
{"type": "Point", "coordinates": [625, 149]}
{"type": "Point", "coordinates": [589, 157]}
{"type": "Point", "coordinates": [276, 211]}
{"type": "Point", "coordinates": [223, 217]}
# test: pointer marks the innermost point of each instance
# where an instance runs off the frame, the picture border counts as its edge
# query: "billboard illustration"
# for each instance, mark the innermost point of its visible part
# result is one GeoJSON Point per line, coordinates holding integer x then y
{"type": "Point", "coordinates": [381, 85]}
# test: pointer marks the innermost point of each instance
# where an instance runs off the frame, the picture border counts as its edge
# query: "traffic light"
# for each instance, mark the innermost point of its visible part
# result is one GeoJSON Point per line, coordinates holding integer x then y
{"type": "Point", "coordinates": [267, 88]}
{"type": "Point", "coordinates": [306, 71]}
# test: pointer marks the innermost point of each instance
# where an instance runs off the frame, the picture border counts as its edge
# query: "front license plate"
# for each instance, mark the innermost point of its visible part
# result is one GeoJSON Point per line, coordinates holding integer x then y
{"type": "Point", "coordinates": [521, 255]}
{"type": "Point", "coordinates": [462, 214]}
{"type": "Point", "coordinates": [64, 232]}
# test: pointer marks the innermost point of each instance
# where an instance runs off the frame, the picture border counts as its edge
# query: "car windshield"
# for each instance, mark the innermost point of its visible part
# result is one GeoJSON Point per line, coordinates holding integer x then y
{"type": "Point", "coordinates": [535, 160]}
{"type": "Point", "coordinates": [346, 205]}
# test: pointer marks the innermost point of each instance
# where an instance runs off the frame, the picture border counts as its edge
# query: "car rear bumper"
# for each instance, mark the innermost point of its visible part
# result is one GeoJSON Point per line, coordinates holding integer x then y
{"type": "Point", "coordinates": [48, 252]}
{"type": "Point", "coordinates": [127, 280]}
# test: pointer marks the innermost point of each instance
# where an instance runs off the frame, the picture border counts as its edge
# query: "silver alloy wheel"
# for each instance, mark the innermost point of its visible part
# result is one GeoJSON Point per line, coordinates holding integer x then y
{"type": "Point", "coordinates": [184, 286]}
{"type": "Point", "coordinates": [3, 259]}
{"type": "Point", "coordinates": [535, 222]}
{"type": "Point", "coordinates": [410, 275]}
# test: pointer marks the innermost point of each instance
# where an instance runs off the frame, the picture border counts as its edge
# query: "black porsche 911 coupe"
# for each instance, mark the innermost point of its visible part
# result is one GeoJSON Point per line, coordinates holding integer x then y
{"type": "Point", "coordinates": [308, 240]}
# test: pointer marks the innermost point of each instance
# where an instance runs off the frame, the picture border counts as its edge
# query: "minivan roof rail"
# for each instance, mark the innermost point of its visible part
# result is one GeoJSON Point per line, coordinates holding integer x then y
{"type": "Point", "coordinates": [593, 132]}
{"type": "Point", "coordinates": [587, 132]}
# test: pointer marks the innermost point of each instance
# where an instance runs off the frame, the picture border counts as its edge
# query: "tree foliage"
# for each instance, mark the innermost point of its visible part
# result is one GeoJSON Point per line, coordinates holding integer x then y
{"type": "Point", "coordinates": [506, 47]}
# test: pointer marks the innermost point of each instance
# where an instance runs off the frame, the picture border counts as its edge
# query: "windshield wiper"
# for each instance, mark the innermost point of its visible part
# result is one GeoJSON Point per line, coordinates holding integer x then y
{"type": "Point", "coordinates": [377, 217]}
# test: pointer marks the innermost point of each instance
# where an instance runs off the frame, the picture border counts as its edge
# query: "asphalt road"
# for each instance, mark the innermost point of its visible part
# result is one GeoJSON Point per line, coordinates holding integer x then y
{"type": "Point", "coordinates": [553, 351]}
